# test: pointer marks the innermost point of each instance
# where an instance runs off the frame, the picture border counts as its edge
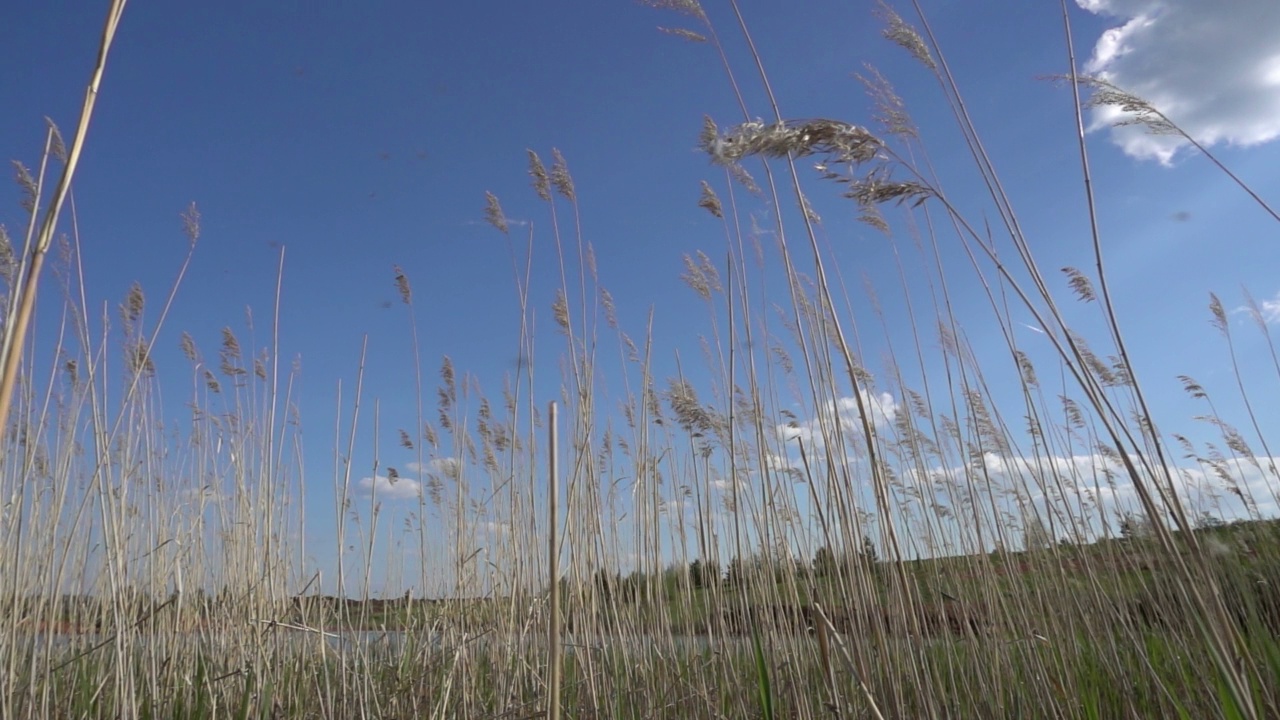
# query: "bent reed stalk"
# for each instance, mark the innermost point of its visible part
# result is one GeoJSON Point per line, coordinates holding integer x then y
{"type": "Point", "coordinates": [23, 302]}
{"type": "Point", "coordinates": [835, 505]}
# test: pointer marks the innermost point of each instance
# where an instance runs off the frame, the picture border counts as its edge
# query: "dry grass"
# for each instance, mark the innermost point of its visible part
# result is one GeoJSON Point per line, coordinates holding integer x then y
{"type": "Point", "coordinates": [928, 535]}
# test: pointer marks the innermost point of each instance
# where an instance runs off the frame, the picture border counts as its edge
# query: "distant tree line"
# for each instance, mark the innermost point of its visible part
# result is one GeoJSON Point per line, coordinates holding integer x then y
{"type": "Point", "coordinates": [675, 579]}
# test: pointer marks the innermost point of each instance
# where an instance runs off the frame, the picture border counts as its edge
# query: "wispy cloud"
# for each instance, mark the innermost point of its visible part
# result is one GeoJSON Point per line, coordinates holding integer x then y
{"type": "Point", "coordinates": [1213, 69]}
{"type": "Point", "coordinates": [511, 222]}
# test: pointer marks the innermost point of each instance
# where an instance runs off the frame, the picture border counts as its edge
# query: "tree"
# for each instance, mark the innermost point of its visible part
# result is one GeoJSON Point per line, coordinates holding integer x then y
{"type": "Point", "coordinates": [1035, 536]}
{"type": "Point", "coordinates": [736, 574]}
{"type": "Point", "coordinates": [1209, 521]}
{"type": "Point", "coordinates": [629, 590]}
{"type": "Point", "coordinates": [605, 585]}
{"type": "Point", "coordinates": [824, 562]}
{"type": "Point", "coordinates": [674, 580]}
{"type": "Point", "coordinates": [702, 574]}
{"type": "Point", "coordinates": [1133, 526]}
{"type": "Point", "coordinates": [869, 554]}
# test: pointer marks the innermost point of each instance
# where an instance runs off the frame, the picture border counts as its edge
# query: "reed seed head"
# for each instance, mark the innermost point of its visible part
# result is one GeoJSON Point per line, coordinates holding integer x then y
{"type": "Point", "coordinates": [8, 262]}
{"type": "Point", "coordinates": [230, 345]}
{"type": "Point", "coordinates": [449, 393]}
{"type": "Point", "coordinates": [402, 286]}
{"type": "Point", "coordinates": [139, 360]}
{"type": "Point", "coordinates": [871, 215]}
{"type": "Point", "coordinates": [902, 34]}
{"type": "Point", "coordinates": [1191, 387]}
{"type": "Point", "coordinates": [560, 177]}
{"type": "Point", "coordinates": [560, 310]}
{"type": "Point", "coordinates": [839, 140]}
{"type": "Point", "coordinates": [610, 311]}
{"type": "Point", "coordinates": [1255, 312]}
{"type": "Point", "coordinates": [695, 278]}
{"type": "Point", "coordinates": [493, 213]}
{"type": "Point", "coordinates": [709, 272]}
{"type": "Point", "coordinates": [744, 179]}
{"type": "Point", "coordinates": [1080, 284]}
{"type": "Point", "coordinates": [191, 223]}
{"type": "Point", "coordinates": [1219, 314]}
{"type": "Point", "coordinates": [27, 185]}
{"type": "Point", "coordinates": [188, 346]}
{"type": "Point", "coordinates": [689, 35]}
{"type": "Point", "coordinates": [1072, 409]}
{"type": "Point", "coordinates": [691, 8]}
{"type": "Point", "coordinates": [1137, 110]}
{"type": "Point", "coordinates": [709, 201]}
{"type": "Point", "coordinates": [134, 303]}
{"type": "Point", "coordinates": [890, 110]}
{"type": "Point", "coordinates": [877, 188]}
{"type": "Point", "coordinates": [1026, 368]}
{"type": "Point", "coordinates": [230, 354]}
{"type": "Point", "coordinates": [537, 171]}
{"type": "Point", "coordinates": [806, 207]}
{"type": "Point", "coordinates": [57, 146]}
{"type": "Point", "coordinates": [689, 412]}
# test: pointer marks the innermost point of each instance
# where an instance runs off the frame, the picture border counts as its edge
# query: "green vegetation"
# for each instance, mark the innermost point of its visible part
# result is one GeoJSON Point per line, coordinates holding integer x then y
{"type": "Point", "coordinates": [947, 564]}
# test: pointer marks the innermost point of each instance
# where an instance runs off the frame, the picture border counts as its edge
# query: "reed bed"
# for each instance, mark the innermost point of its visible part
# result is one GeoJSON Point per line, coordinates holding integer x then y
{"type": "Point", "coordinates": [816, 519]}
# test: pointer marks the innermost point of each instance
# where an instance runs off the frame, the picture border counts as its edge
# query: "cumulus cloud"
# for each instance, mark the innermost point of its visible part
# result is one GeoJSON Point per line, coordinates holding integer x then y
{"type": "Point", "coordinates": [842, 417]}
{"type": "Point", "coordinates": [401, 488]}
{"type": "Point", "coordinates": [724, 484]}
{"type": "Point", "coordinates": [1267, 311]}
{"type": "Point", "coordinates": [1212, 68]}
{"type": "Point", "coordinates": [1271, 309]}
{"type": "Point", "coordinates": [1229, 489]}
{"type": "Point", "coordinates": [778, 463]}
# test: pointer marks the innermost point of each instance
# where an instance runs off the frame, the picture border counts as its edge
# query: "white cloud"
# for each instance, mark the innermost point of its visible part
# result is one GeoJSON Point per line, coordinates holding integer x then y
{"type": "Point", "coordinates": [401, 488]}
{"type": "Point", "coordinates": [444, 467]}
{"type": "Point", "coordinates": [202, 496]}
{"type": "Point", "coordinates": [1264, 311]}
{"type": "Point", "coordinates": [778, 463]}
{"type": "Point", "coordinates": [842, 417]}
{"type": "Point", "coordinates": [1103, 483]}
{"type": "Point", "coordinates": [496, 529]}
{"type": "Point", "coordinates": [1270, 310]}
{"type": "Point", "coordinates": [1211, 67]}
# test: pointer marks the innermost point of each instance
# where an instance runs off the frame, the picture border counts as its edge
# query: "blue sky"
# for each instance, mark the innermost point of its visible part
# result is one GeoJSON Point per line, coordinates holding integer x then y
{"type": "Point", "coordinates": [364, 137]}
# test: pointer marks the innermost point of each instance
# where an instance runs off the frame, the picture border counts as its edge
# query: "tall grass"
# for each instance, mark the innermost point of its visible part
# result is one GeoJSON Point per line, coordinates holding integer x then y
{"type": "Point", "coordinates": [806, 530]}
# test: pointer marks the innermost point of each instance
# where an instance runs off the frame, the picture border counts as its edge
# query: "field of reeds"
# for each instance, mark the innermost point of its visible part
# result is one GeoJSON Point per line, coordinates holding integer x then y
{"type": "Point", "coordinates": [934, 537]}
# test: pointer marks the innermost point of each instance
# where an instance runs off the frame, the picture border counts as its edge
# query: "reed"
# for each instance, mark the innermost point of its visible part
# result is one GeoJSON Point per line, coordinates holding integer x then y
{"type": "Point", "coordinates": [815, 514]}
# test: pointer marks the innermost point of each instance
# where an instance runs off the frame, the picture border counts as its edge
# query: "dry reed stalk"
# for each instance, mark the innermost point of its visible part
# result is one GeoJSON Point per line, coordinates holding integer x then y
{"type": "Point", "coordinates": [20, 310]}
{"type": "Point", "coordinates": [900, 674]}
{"type": "Point", "coordinates": [553, 563]}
